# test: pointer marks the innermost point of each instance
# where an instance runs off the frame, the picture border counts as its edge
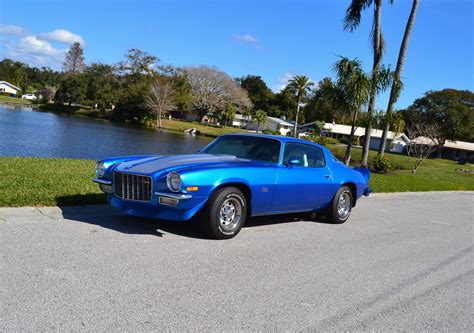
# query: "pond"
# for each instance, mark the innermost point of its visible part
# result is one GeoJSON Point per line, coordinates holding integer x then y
{"type": "Point", "coordinates": [24, 132]}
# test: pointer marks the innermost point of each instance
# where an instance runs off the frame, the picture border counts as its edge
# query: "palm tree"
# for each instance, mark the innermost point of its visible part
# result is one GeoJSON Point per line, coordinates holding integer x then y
{"type": "Point", "coordinates": [300, 85]}
{"type": "Point", "coordinates": [351, 22]}
{"type": "Point", "coordinates": [396, 85]}
{"type": "Point", "coordinates": [351, 92]}
{"type": "Point", "coordinates": [261, 117]}
{"type": "Point", "coordinates": [397, 123]}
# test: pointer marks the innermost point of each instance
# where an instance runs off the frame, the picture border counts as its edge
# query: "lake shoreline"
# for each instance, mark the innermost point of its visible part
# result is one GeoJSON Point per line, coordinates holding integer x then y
{"type": "Point", "coordinates": [175, 125]}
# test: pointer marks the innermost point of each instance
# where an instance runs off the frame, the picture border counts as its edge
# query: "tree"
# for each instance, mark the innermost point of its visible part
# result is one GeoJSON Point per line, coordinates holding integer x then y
{"type": "Point", "coordinates": [422, 144]}
{"type": "Point", "coordinates": [213, 90]}
{"type": "Point", "coordinates": [131, 104]}
{"type": "Point", "coordinates": [351, 92]}
{"type": "Point", "coordinates": [300, 85]}
{"type": "Point", "coordinates": [396, 86]}
{"type": "Point", "coordinates": [261, 117]}
{"type": "Point", "coordinates": [137, 63]}
{"type": "Point", "coordinates": [74, 60]}
{"type": "Point", "coordinates": [319, 127]}
{"type": "Point", "coordinates": [102, 85]}
{"type": "Point", "coordinates": [283, 104]}
{"type": "Point", "coordinates": [258, 92]}
{"type": "Point", "coordinates": [72, 89]}
{"type": "Point", "coordinates": [161, 97]}
{"type": "Point", "coordinates": [47, 93]}
{"type": "Point", "coordinates": [321, 105]}
{"type": "Point", "coordinates": [351, 22]}
{"type": "Point", "coordinates": [228, 114]}
{"type": "Point", "coordinates": [397, 123]}
{"type": "Point", "coordinates": [451, 110]}
{"type": "Point", "coordinates": [182, 94]}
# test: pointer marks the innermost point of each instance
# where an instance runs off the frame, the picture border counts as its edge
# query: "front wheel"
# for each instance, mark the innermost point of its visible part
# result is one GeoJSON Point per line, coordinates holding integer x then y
{"type": "Point", "coordinates": [225, 213]}
{"type": "Point", "coordinates": [341, 205]}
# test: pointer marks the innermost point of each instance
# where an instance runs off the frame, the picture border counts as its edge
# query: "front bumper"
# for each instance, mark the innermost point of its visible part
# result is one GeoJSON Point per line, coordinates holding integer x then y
{"type": "Point", "coordinates": [162, 205]}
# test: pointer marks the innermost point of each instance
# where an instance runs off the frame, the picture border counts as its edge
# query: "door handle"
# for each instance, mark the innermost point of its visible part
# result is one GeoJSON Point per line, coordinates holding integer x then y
{"type": "Point", "coordinates": [327, 176]}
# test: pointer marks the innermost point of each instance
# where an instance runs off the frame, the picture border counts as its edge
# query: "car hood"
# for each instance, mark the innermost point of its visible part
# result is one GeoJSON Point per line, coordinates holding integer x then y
{"type": "Point", "coordinates": [149, 165]}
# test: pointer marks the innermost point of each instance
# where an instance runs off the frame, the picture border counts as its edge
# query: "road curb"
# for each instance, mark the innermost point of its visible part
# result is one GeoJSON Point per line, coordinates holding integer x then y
{"type": "Point", "coordinates": [417, 194]}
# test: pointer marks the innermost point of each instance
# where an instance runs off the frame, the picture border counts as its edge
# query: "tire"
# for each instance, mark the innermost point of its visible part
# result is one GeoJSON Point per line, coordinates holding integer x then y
{"type": "Point", "coordinates": [225, 213]}
{"type": "Point", "coordinates": [340, 208]}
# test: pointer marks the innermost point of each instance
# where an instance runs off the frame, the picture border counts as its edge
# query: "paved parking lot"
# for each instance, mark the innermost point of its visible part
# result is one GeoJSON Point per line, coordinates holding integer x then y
{"type": "Point", "coordinates": [402, 261]}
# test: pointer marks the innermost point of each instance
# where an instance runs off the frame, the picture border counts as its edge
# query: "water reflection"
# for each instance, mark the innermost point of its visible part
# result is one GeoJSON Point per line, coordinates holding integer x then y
{"type": "Point", "coordinates": [24, 132]}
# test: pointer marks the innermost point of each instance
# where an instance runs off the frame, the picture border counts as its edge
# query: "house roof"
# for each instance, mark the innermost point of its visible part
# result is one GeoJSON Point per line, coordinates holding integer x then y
{"type": "Point", "coordinates": [10, 85]}
{"type": "Point", "coordinates": [280, 121]}
{"type": "Point", "coordinates": [360, 131]}
{"type": "Point", "coordinates": [274, 119]}
{"type": "Point", "coordinates": [461, 145]}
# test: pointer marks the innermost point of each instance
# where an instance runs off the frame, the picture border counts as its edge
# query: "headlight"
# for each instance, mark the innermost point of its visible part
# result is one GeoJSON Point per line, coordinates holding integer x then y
{"type": "Point", "coordinates": [173, 180]}
{"type": "Point", "coordinates": [99, 169]}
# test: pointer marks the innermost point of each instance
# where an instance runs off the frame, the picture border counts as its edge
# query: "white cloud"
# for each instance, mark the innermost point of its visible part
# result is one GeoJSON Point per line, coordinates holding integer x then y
{"type": "Point", "coordinates": [282, 81]}
{"type": "Point", "coordinates": [62, 36]}
{"type": "Point", "coordinates": [13, 30]}
{"type": "Point", "coordinates": [246, 38]}
{"type": "Point", "coordinates": [32, 44]}
{"type": "Point", "coordinates": [34, 51]}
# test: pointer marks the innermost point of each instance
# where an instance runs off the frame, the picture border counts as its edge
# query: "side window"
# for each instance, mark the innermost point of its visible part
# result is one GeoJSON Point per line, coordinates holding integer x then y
{"type": "Point", "coordinates": [307, 156]}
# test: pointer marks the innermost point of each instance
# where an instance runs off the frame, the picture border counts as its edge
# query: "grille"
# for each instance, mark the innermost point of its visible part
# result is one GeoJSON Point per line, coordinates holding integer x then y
{"type": "Point", "coordinates": [132, 187]}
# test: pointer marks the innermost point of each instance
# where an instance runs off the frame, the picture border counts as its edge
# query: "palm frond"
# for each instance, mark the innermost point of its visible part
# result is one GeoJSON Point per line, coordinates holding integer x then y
{"type": "Point", "coordinates": [354, 12]}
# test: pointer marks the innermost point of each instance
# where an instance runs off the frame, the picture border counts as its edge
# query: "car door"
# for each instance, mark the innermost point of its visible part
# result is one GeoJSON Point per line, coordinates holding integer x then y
{"type": "Point", "coordinates": [302, 179]}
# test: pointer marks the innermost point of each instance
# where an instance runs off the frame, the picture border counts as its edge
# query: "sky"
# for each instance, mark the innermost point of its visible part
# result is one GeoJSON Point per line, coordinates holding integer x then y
{"type": "Point", "coordinates": [272, 39]}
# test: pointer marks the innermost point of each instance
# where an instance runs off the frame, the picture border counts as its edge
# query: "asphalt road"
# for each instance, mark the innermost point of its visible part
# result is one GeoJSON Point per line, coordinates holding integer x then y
{"type": "Point", "coordinates": [402, 262]}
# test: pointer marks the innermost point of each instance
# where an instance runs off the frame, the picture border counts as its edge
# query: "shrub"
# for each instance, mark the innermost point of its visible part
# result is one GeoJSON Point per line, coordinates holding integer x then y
{"type": "Point", "coordinates": [381, 165]}
{"type": "Point", "coordinates": [269, 131]}
{"type": "Point", "coordinates": [355, 140]}
{"type": "Point", "coordinates": [322, 140]}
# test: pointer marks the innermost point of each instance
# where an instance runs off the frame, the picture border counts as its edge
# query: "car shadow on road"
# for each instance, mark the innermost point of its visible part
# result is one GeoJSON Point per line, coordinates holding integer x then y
{"type": "Point", "coordinates": [110, 218]}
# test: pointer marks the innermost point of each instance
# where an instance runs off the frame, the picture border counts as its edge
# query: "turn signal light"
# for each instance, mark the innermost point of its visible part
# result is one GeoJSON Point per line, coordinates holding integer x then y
{"type": "Point", "coordinates": [192, 188]}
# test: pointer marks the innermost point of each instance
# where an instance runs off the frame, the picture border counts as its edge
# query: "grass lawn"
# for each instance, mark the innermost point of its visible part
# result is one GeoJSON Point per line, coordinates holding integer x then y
{"type": "Point", "coordinates": [433, 175]}
{"type": "Point", "coordinates": [17, 100]}
{"type": "Point", "coordinates": [51, 182]}
{"type": "Point", "coordinates": [47, 182]}
{"type": "Point", "coordinates": [177, 125]}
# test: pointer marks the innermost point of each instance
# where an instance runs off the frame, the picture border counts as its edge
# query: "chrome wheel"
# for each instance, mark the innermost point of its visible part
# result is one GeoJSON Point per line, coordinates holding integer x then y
{"type": "Point", "coordinates": [344, 205]}
{"type": "Point", "coordinates": [230, 214]}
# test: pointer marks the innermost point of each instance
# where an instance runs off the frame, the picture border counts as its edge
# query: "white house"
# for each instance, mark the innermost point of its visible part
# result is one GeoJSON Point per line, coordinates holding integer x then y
{"type": "Point", "coordinates": [241, 120]}
{"type": "Point", "coordinates": [6, 87]}
{"type": "Point", "coordinates": [275, 124]}
{"type": "Point", "coordinates": [396, 142]}
{"type": "Point", "coordinates": [280, 125]}
{"type": "Point", "coordinates": [452, 150]}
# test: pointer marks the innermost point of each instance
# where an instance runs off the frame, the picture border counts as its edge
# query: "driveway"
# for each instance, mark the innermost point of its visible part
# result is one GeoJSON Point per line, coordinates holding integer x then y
{"type": "Point", "coordinates": [402, 262]}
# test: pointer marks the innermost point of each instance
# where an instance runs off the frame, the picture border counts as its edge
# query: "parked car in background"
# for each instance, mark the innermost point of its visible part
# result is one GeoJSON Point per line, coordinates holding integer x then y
{"type": "Point", "coordinates": [234, 177]}
{"type": "Point", "coordinates": [30, 97]}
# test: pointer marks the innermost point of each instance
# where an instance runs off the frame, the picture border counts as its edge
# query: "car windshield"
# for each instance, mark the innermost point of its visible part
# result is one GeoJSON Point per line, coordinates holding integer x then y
{"type": "Point", "coordinates": [247, 147]}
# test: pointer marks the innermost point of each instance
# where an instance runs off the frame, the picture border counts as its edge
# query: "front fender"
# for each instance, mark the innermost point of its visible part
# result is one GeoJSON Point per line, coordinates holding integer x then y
{"type": "Point", "coordinates": [260, 182]}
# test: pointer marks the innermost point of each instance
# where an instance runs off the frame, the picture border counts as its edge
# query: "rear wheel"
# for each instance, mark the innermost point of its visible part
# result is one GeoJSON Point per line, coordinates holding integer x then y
{"type": "Point", "coordinates": [225, 213]}
{"type": "Point", "coordinates": [341, 206]}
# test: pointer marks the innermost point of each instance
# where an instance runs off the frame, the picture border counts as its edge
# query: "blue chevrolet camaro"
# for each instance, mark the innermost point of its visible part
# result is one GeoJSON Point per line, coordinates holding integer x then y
{"type": "Point", "coordinates": [232, 178]}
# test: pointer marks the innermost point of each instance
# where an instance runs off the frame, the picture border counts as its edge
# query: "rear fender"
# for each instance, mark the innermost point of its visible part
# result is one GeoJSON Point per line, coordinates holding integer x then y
{"type": "Point", "coordinates": [365, 172]}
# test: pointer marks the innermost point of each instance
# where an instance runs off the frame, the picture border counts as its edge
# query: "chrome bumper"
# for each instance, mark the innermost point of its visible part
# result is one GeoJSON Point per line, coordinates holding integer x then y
{"type": "Point", "coordinates": [178, 196]}
{"type": "Point", "coordinates": [102, 181]}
